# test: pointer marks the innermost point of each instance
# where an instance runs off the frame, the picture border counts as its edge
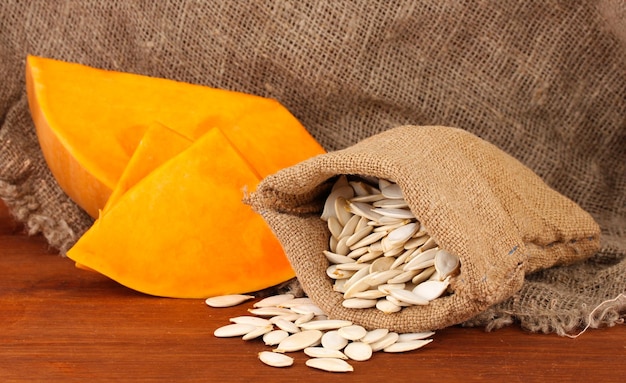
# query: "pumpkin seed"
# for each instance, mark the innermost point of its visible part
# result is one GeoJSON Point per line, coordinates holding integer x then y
{"type": "Point", "coordinates": [328, 324]}
{"type": "Point", "coordinates": [274, 337]}
{"type": "Point", "coordinates": [358, 351]}
{"type": "Point", "coordinates": [247, 319]}
{"type": "Point", "coordinates": [352, 332]}
{"type": "Point", "coordinates": [275, 359]}
{"type": "Point", "coordinates": [234, 329]}
{"type": "Point", "coordinates": [299, 341]}
{"type": "Point", "coordinates": [227, 300]}
{"type": "Point", "coordinates": [257, 332]}
{"type": "Point", "coordinates": [374, 335]}
{"type": "Point", "coordinates": [329, 364]}
{"type": "Point", "coordinates": [323, 352]}
{"type": "Point", "coordinates": [407, 345]}
{"type": "Point", "coordinates": [273, 300]}
{"type": "Point", "coordinates": [333, 340]}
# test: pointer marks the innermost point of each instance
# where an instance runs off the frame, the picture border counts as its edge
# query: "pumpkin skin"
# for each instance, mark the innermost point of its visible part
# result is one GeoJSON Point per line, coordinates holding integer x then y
{"type": "Point", "coordinates": [89, 122]}
{"type": "Point", "coordinates": [182, 230]}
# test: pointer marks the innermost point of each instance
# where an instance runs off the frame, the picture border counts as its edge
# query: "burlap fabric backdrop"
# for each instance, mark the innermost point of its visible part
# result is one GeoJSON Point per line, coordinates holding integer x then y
{"type": "Point", "coordinates": [543, 80]}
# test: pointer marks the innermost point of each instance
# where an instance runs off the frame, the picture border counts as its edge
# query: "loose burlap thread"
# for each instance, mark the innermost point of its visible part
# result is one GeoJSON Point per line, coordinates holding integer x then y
{"type": "Point", "coordinates": [476, 201]}
{"type": "Point", "coordinates": [542, 80]}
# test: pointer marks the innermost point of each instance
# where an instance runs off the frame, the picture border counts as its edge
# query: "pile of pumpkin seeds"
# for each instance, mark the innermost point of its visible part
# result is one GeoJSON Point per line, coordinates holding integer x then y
{"type": "Point", "coordinates": [289, 324]}
{"type": "Point", "coordinates": [380, 255]}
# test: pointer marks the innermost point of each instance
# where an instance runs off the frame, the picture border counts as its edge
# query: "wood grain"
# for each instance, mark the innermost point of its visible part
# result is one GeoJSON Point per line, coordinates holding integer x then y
{"type": "Point", "coordinates": [63, 324]}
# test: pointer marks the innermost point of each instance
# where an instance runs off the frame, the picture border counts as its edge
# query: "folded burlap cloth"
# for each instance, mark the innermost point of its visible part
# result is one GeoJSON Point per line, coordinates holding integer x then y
{"type": "Point", "coordinates": [476, 201]}
{"type": "Point", "coordinates": [543, 80]}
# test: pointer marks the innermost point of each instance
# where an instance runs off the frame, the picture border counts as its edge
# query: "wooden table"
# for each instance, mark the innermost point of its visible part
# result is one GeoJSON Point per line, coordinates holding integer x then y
{"type": "Point", "coordinates": [64, 324]}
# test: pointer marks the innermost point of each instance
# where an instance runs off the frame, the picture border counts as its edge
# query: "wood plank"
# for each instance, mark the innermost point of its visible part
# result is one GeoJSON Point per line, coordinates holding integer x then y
{"type": "Point", "coordinates": [60, 323]}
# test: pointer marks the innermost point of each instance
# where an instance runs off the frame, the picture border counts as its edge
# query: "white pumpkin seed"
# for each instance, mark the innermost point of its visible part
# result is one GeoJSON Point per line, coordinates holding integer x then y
{"type": "Point", "coordinates": [446, 263]}
{"type": "Point", "coordinates": [364, 210]}
{"type": "Point", "coordinates": [335, 227]}
{"type": "Point", "coordinates": [409, 297]}
{"type": "Point", "coordinates": [342, 210]}
{"type": "Point", "coordinates": [307, 308]}
{"type": "Point", "coordinates": [234, 329]}
{"type": "Point", "coordinates": [394, 213]}
{"type": "Point", "coordinates": [386, 288]}
{"type": "Point", "coordinates": [354, 266]}
{"type": "Point", "coordinates": [374, 293]}
{"type": "Point", "coordinates": [288, 317]}
{"type": "Point", "coordinates": [273, 300]}
{"type": "Point", "coordinates": [299, 341]}
{"type": "Point", "coordinates": [397, 203]}
{"type": "Point", "coordinates": [305, 318]}
{"type": "Point", "coordinates": [423, 275]}
{"type": "Point", "coordinates": [332, 340]}
{"type": "Point", "coordinates": [274, 337]}
{"type": "Point", "coordinates": [349, 228]}
{"type": "Point", "coordinates": [329, 364]}
{"type": "Point", "coordinates": [352, 332]}
{"type": "Point", "coordinates": [247, 319]}
{"type": "Point", "coordinates": [431, 289]}
{"type": "Point", "coordinates": [402, 233]}
{"type": "Point", "coordinates": [381, 277]}
{"type": "Point", "coordinates": [373, 336]}
{"type": "Point", "coordinates": [227, 300]}
{"type": "Point", "coordinates": [385, 341]}
{"type": "Point", "coordinates": [387, 306]}
{"type": "Point", "coordinates": [275, 359]}
{"type": "Point", "coordinates": [333, 272]}
{"type": "Point", "coordinates": [358, 351]}
{"type": "Point", "coordinates": [369, 256]}
{"type": "Point", "coordinates": [337, 258]}
{"type": "Point", "coordinates": [323, 352]}
{"type": "Point", "coordinates": [357, 253]}
{"type": "Point", "coordinates": [370, 239]}
{"type": "Point", "coordinates": [403, 277]}
{"type": "Point", "coordinates": [270, 311]}
{"type": "Point", "coordinates": [296, 302]}
{"type": "Point", "coordinates": [416, 242]}
{"type": "Point", "coordinates": [288, 326]}
{"type": "Point", "coordinates": [414, 336]}
{"type": "Point", "coordinates": [381, 264]}
{"type": "Point", "coordinates": [359, 235]}
{"type": "Point", "coordinates": [340, 188]}
{"type": "Point", "coordinates": [257, 332]}
{"type": "Point", "coordinates": [392, 191]}
{"type": "Point", "coordinates": [407, 346]}
{"type": "Point", "coordinates": [359, 303]}
{"type": "Point", "coordinates": [328, 324]}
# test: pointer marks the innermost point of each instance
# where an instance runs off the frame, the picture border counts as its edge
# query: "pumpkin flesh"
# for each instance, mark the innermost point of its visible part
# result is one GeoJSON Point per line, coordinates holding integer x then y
{"type": "Point", "coordinates": [152, 241]}
{"type": "Point", "coordinates": [89, 122]}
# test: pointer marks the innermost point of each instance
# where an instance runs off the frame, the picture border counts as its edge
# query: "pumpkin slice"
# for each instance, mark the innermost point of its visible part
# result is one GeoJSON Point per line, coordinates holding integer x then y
{"type": "Point", "coordinates": [89, 122]}
{"type": "Point", "coordinates": [182, 231]}
{"type": "Point", "coordinates": [158, 145]}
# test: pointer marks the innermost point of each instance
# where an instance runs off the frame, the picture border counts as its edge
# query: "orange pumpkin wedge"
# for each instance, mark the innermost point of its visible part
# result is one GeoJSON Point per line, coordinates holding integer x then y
{"type": "Point", "coordinates": [89, 122]}
{"type": "Point", "coordinates": [158, 145]}
{"type": "Point", "coordinates": [182, 230]}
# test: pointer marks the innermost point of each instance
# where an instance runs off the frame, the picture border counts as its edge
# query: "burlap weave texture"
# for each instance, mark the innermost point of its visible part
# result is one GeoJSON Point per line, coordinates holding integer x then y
{"type": "Point", "coordinates": [475, 200]}
{"type": "Point", "coordinates": [542, 80]}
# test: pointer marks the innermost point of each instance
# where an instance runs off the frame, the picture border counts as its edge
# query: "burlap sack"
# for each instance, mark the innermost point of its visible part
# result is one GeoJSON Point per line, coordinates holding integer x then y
{"type": "Point", "coordinates": [543, 80]}
{"type": "Point", "coordinates": [500, 218]}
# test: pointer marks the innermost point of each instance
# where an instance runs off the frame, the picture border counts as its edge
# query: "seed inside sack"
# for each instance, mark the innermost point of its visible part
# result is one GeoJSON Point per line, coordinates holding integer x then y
{"type": "Point", "coordinates": [376, 242]}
